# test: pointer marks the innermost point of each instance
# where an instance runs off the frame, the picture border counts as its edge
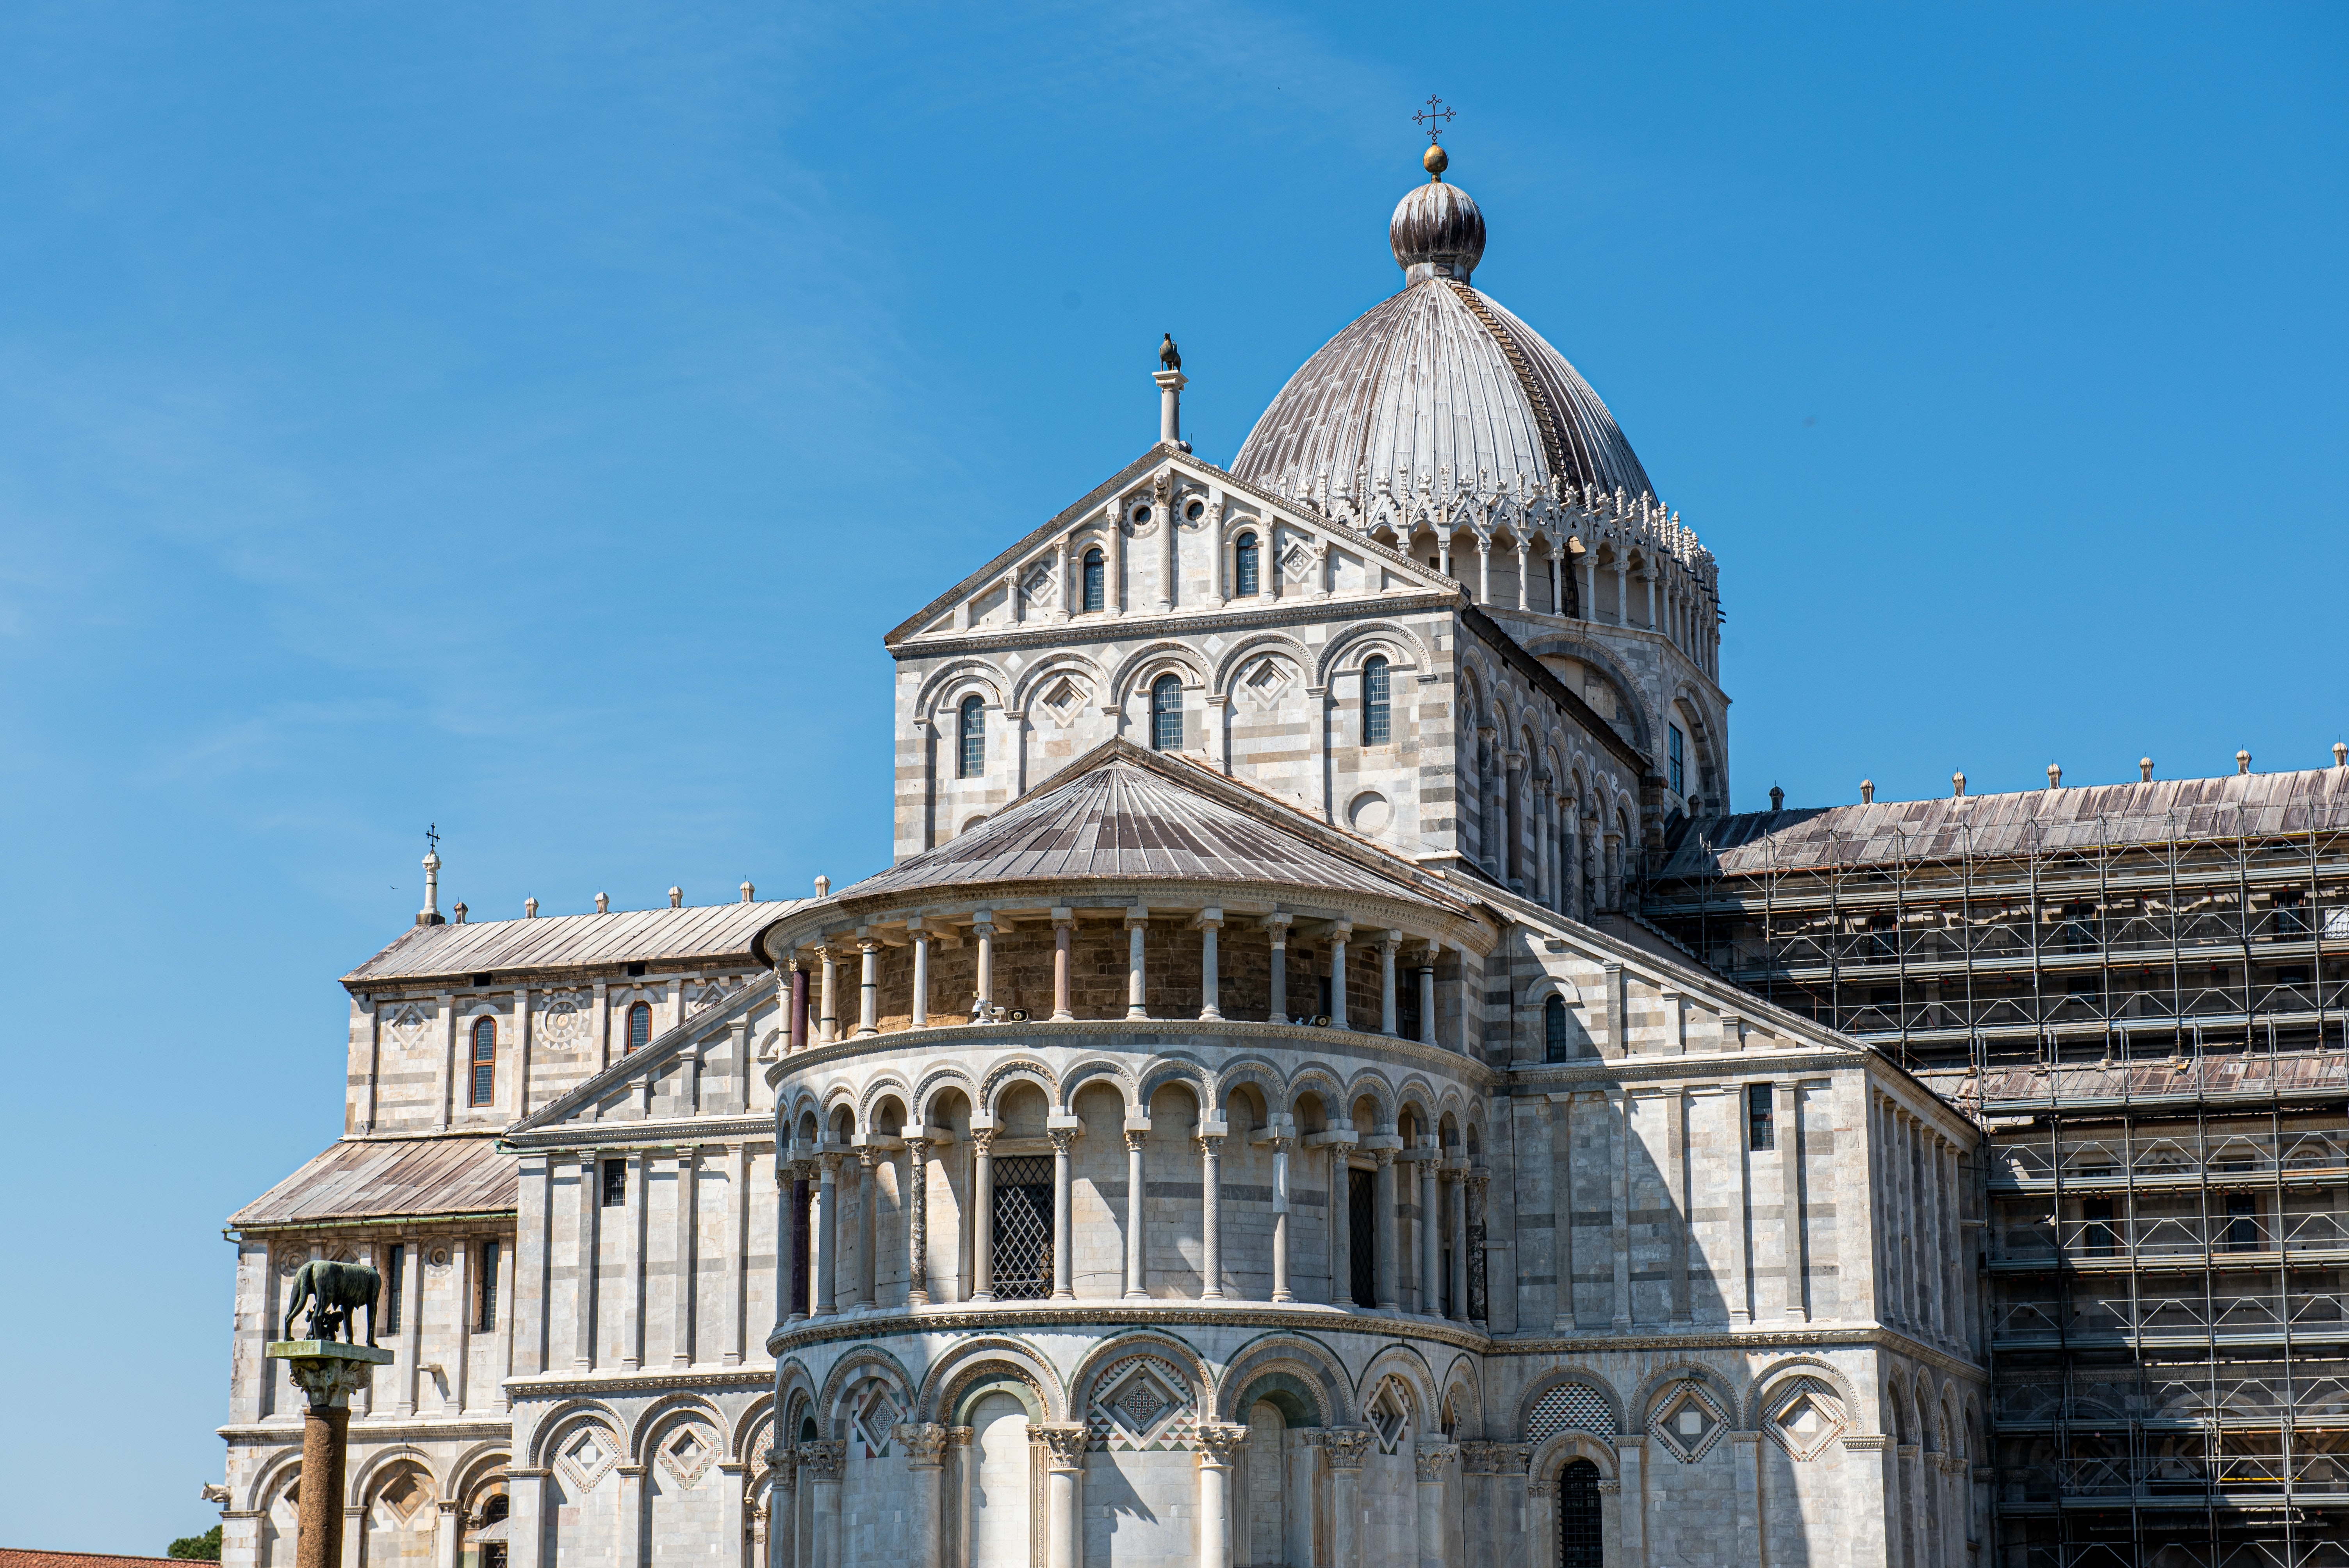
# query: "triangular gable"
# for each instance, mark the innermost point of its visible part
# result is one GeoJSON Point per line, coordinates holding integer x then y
{"type": "Point", "coordinates": [1038, 545]}
{"type": "Point", "coordinates": [661, 1049]}
{"type": "Point", "coordinates": [1121, 811]}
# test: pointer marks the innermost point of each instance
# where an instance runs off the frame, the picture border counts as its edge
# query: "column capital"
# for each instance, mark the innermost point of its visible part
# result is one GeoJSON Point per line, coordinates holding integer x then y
{"type": "Point", "coordinates": [982, 1139]}
{"type": "Point", "coordinates": [1137, 916]}
{"type": "Point", "coordinates": [1383, 1158]}
{"type": "Point", "coordinates": [1066, 1441]}
{"type": "Point", "coordinates": [924, 1443]}
{"type": "Point", "coordinates": [1136, 1136]}
{"type": "Point", "coordinates": [1430, 1457]}
{"type": "Point", "coordinates": [823, 1461]}
{"type": "Point", "coordinates": [1220, 1442]}
{"type": "Point", "coordinates": [1064, 1139]}
{"type": "Point", "coordinates": [1346, 1446]}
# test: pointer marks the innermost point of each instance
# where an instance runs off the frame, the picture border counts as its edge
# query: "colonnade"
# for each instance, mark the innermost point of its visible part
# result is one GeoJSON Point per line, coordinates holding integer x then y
{"type": "Point", "coordinates": [1676, 604]}
{"type": "Point", "coordinates": [868, 942]}
{"type": "Point", "coordinates": [942, 1469]}
{"type": "Point", "coordinates": [1916, 1189]}
{"type": "Point", "coordinates": [1572, 865]}
{"type": "Point", "coordinates": [1447, 1183]}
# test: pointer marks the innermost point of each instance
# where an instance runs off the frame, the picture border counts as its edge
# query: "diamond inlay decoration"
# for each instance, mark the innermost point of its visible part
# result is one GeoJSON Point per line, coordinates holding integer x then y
{"type": "Point", "coordinates": [688, 1454]}
{"type": "Point", "coordinates": [1803, 1415]}
{"type": "Point", "coordinates": [587, 1458]}
{"type": "Point", "coordinates": [1688, 1420]}
{"type": "Point", "coordinates": [876, 1414]}
{"type": "Point", "coordinates": [1571, 1407]}
{"type": "Point", "coordinates": [1390, 1415]}
{"type": "Point", "coordinates": [1142, 1405]}
{"type": "Point", "coordinates": [1063, 701]}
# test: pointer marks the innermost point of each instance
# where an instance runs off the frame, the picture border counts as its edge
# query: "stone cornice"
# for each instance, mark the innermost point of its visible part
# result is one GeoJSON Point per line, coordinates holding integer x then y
{"type": "Point", "coordinates": [748, 1377]}
{"type": "Point", "coordinates": [1289, 610]}
{"type": "Point", "coordinates": [374, 1428]}
{"type": "Point", "coordinates": [1530, 1078]}
{"type": "Point", "coordinates": [1089, 1032]}
{"type": "Point", "coordinates": [756, 1129]}
{"type": "Point", "coordinates": [967, 1317]}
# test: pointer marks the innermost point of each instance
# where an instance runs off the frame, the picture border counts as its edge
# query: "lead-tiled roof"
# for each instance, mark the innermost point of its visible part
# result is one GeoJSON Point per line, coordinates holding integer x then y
{"type": "Point", "coordinates": [1127, 819]}
{"type": "Point", "coordinates": [1909, 831]}
{"type": "Point", "coordinates": [387, 1178]}
{"type": "Point", "coordinates": [710, 934]}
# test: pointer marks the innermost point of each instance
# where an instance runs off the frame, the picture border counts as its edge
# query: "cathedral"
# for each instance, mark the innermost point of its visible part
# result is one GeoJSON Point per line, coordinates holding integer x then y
{"type": "Point", "coordinates": [1246, 1123]}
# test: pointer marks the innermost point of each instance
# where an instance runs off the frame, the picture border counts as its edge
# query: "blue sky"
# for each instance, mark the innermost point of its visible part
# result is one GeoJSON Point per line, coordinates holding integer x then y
{"type": "Point", "coordinates": [528, 417]}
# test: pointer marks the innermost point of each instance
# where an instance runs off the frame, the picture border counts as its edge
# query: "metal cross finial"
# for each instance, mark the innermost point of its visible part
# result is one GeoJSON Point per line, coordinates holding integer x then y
{"type": "Point", "coordinates": [432, 838]}
{"type": "Point", "coordinates": [1433, 117]}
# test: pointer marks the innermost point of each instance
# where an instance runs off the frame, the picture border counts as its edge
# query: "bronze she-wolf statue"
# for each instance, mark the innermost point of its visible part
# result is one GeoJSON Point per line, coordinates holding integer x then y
{"type": "Point", "coordinates": [333, 1290]}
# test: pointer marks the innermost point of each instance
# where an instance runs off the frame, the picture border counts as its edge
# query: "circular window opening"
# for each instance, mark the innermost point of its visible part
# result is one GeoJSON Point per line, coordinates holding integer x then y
{"type": "Point", "coordinates": [1141, 514]}
{"type": "Point", "coordinates": [1196, 510]}
{"type": "Point", "coordinates": [1369, 812]}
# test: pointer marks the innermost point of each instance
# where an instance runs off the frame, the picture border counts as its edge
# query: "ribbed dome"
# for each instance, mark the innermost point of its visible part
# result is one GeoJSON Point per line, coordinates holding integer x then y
{"type": "Point", "coordinates": [1438, 383]}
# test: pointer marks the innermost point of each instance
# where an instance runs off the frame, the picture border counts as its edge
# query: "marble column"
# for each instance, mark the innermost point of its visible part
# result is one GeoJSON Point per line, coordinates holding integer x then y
{"type": "Point", "coordinates": [1211, 920]}
{"type": "Point", "coordinates": [827, 1022]}
{"type": "Point", "coordinates": [924, 1445]}
{"type": "Point", "coordinates": [868, 988]}
{"type": "Point", "coordinates": [1387, 946]}
{"type": "Point", "coordinates": [822, 1463]}
{"type": "Point", "coordinates": [984, 929]}
{"type": "Point", "coordinates": [1431, 1460]}
{"type": "Point", "coordinates": [1063, 933]}
{"type": "Point", "coordinates": [1137, 1279]}
{"type": "Point", "coordinates": [1064, 1541]}
{"type": "Point", "coordinates": [868, 1214]}
{"type": "Point", "coordinates": [1524, 606]}
{"type": "Point", "coordinates": [1280, 1291]}
{"type": "Point", "coordinates": [1277, 929]}
{"type": "Point", "coordinates": [917, 1221]}
{"type": "Point", "coordinates": [1341, 1227]}
{"type": "Point", "coordinates": [1431, 1230]}
{"type": "Point", "coordinates": [1344, 1448]}
{"type": "Point", "coordinates": [1385, 1218]}
{"type": "Point", "coordinates": [633, 1505]}
{"type": "Point", "coordinates": [1211, 1209]}
{"type": "Point", "coordinates": [1630, 1456]}
{"type": "Point", "coordinates": [982, 1216]}
{"type": "Point", "coordinates": [921, 998]}
{"type": "Point", "coordinates": [1338, 936]}
{"type": "Point", "coordinates": [1218, 1443]}
{"type": "Point", "coordinates": [1137, 920]}
{"type": "Point", "coordinates": [1062, 1233]}
{"type": "Point", "coordinates": [1427, 998]}
{"type": "Point", "coordinates": [823, 1235]}
{"type": "Point", "coordinates": [1459, 1313]}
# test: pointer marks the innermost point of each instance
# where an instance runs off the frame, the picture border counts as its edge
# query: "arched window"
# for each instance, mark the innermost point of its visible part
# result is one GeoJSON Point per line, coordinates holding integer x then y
{"type": "Point", "coordinates": [1095, 593]}
{"type": "Point", "coordinates": [970, 738]}
{"type": "Point", "coordinates": [1166, 714]}
{"type": "Point", "coordinates": [485, 1061]}
{"type": "Point", "coordinates": [1376, 731]}
{"type": "Point", "coordinates": [1554, 1030]}
{"type": "Point", "coordinates": [1244, 565]}
{"type": "Point", "coordinates": [1581, 1540]}
{"type": "Point", "coordinates": [640, 1025]}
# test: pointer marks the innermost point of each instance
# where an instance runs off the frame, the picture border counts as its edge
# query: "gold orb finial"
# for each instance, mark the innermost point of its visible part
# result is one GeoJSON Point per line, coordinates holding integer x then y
{"type": "Point", "coordinates": [1436, 161]}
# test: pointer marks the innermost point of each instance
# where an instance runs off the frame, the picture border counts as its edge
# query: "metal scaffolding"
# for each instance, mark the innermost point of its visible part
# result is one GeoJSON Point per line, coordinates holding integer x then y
{"type": "Point", "coordinates": [2150, 1024]}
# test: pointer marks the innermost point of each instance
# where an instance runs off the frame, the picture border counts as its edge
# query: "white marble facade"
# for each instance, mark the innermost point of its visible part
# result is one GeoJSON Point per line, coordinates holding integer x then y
{"type": "Point", "coordinates": [1223, 1137]}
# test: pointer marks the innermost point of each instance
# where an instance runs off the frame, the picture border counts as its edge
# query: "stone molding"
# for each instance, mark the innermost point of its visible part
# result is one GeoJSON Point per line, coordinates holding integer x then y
{"type": "Point", "coordinates": [1288, 610]}
{"type": "Point", "coordinates": [1000, 1317]}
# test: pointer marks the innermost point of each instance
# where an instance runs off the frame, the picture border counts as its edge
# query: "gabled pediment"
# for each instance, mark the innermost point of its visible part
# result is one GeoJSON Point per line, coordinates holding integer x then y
{"type": "Point", "coordinates": [1305, 555]}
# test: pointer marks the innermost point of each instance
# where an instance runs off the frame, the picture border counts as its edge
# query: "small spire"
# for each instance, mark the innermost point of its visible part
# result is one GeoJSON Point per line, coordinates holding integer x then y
{"type": "Point", "coordinates": [602, 904]}
{"type": "Point", "coordinates": [2054, 775]}
{"type": "Point", "coordinates": [461, 912]}
{"type": "Point", "coordinates": [750, 893]}
{"type": "Point", "coordinates": [1958, 786]}
{"type": "Point", "coordinates": [2340, 754]}
{"type": "Point", "coordinates": [2242, 762]}
{"type": "Point", "coordinates": [1868, 791]}
{"type": "Point", "coordinates": [824, 887]}
{"type": "Point", "coordinates": [1777, 798]}
{"type": "Point", "coordinates": [431, 913]}
{"type": "Point", "coordinates": [677, 898]}
{"type": "Point", "coordinates": [2145, 770]}
{"type": "Point", "coordinates": [1171, 382]}
{"type": "Point", "coordinates": [530, 909]}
